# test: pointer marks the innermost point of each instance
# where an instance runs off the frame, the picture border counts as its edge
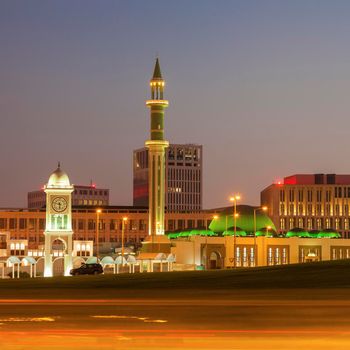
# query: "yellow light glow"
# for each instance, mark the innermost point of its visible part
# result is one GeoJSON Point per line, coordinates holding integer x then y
{"type": "Point", "coordinates": [157, 102]}
{"type": "Point", "coordinates": [264, 208]}
{"type": "Point", "coordinates": [99, 211]}
{"type": "Point", "coordinates": [234, 198]}
{"type": "Point", "coordinates": [269, 227]}
{"type": "Point", "coordinates": [215, 217]}
{"type": "Point", "coordinates": [236, 215]}
{"type": "Point", "coordinates": [125, 218]}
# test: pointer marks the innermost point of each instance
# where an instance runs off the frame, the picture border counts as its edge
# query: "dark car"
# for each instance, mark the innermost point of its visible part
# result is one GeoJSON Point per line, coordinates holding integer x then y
{"type": "Point", "coordinates": [87, 269]}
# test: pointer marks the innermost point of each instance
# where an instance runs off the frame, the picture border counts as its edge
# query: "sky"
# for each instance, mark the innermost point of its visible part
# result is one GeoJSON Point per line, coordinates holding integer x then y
{"type": "Point", "coordinates": [262, 85]}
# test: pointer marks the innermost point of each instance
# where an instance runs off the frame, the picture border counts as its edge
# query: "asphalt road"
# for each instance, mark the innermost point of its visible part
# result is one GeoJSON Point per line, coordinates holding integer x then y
{"type": "Point", "coordinates": [191, 323]}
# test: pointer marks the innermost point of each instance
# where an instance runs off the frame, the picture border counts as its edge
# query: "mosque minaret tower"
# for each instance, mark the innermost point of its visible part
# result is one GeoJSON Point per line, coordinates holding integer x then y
{"type": "Point", "coordinates": [156, 146]}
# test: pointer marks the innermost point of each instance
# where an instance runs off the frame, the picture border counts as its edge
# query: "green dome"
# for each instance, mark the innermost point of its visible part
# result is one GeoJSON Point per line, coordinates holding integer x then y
{"type": "Point", "coordinates": [190, 232]}
{"type": "Point", "coordinates": [328, 233]}
{"type": "Point", "coordinates": [231, 232]}
{"type": "Point", "coordinates": [298, 232]}
{"type": "Point", "coordinates": [245, 220]}
{"type": "Point", "coordinates": [266, 232]}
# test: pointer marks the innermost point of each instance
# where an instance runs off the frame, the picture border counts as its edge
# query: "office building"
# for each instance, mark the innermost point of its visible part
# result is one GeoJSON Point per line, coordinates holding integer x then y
{"type": "Point", "coordinates": [183, 174]}
{"type": "Point", "coordinates": [88, 195]}
{"type": "Point", "coordinates": [310, 202]}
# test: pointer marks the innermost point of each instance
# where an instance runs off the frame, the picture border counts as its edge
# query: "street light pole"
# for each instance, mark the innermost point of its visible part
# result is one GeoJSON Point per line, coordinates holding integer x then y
{"type": "Point", "coordinates": [98, 212]}
{"type": "Point", "coordinates": [234, 199]}
{"type": "Point", "coordinates": [123, 228]}
{"type": "Point", "coordinates": [264, 208]}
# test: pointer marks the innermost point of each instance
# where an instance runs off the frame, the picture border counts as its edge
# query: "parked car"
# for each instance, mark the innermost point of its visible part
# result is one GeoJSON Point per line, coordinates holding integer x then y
{"type": "Point", "coordinates": [87, 269]}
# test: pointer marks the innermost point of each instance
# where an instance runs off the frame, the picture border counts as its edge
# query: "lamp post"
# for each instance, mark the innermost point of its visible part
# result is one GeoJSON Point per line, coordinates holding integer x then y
{"type": "Point", "coordinates": [215, 217]}
{"type": "Point", "coordinates": [268, 228]}
{"type": "Point", "coordinates": [98, 212]}
{"type": "Point", "coordinates": [123, 228]}
{"type": "Point", "coordinates": [264, 208]}
{"type": "Point", "coordinates": [234, 199]}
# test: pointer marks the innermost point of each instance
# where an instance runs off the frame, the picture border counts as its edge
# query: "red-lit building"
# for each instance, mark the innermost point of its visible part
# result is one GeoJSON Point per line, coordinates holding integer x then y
{"type": "Point", "coordinates": [311, 202]}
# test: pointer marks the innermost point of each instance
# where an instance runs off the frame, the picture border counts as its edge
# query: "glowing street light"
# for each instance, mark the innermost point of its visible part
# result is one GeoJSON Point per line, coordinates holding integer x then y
{"type": "Point", "coordinates": [234, 199]}
{"type": "Point", "coordinates": [268, 228]}
{"type": "Point", "coordinates": [98, 212]}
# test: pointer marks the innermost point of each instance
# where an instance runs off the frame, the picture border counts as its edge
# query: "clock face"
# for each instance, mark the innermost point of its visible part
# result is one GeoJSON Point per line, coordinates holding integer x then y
{"type": "Point", "coordinates": [59, 204]}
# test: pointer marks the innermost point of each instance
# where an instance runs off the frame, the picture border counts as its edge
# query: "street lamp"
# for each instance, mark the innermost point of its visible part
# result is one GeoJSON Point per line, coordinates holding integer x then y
{"type": "Point", "coordinates": [234, 199]}
{"type": "Point", "coordinates": [263, 208]}
{"type": "Point", "coordinates": [123, 227]}
{"type": "Point", "coordinates": [98, 212]}
{"type": "Point", "coordinates": [268, 228]}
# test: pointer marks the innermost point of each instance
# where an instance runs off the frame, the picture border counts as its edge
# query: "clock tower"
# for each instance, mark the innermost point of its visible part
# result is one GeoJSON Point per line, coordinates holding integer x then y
{"type": "Point", "coordinates": [58, 220]}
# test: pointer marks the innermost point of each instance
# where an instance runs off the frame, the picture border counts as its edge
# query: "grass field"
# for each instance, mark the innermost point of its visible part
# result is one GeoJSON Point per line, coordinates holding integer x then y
{"type": "Point", "coordinates": [322, 275]}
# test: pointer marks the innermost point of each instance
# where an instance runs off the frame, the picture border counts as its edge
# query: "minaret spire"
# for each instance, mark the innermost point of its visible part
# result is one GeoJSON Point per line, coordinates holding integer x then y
{"type": "Point", "coordinates": [157, 74]}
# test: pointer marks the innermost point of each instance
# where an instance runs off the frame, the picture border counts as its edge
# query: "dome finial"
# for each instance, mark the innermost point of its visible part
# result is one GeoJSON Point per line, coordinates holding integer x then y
{"type": "Point", "coordinates": [58, 164]}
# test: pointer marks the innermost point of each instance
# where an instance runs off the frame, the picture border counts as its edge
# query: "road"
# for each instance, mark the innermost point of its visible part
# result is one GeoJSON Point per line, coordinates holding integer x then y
{"type": "Point", "coordinates": [191, 323]}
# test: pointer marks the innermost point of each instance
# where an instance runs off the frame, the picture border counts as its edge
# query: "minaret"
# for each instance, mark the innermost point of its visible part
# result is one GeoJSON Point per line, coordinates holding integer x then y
{"type": "Point", "coordinates": [156, 162]}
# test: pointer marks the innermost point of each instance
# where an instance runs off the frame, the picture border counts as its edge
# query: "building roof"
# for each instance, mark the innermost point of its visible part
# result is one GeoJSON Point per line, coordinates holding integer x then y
{"type": "Point", "coordinates": [58, 178]}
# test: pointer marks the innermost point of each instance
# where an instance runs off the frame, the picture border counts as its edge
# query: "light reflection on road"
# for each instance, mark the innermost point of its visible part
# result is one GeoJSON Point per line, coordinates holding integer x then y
{"type": "Point", "coordinates": [119, 317]}
{"type": "Point", "coordinates": [167, 324]}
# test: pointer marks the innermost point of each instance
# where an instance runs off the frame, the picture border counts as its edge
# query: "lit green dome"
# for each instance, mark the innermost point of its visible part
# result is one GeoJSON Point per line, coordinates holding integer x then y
{"type": "Point", "coordinates": [189, 233]}
{"type": "Point", "coordinates": [301, 233]}
{"type": "Point", "coordinates": [244, 221]}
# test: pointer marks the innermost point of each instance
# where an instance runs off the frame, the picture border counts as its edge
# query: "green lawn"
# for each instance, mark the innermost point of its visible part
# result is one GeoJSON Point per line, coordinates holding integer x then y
{"type": "Point", "coordinates": [323, 275]}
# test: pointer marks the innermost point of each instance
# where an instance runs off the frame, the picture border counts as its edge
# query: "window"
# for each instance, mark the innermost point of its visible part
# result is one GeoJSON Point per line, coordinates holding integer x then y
{"type": "Point", "coordinates": [13, 224]}
{"type": "Point", "coordinates": [142, 225]}
{"type": "Point", "coordinates": [309, 195]}
{"type": "Point", "coordinates": [41, 224]}
{"type": "Point", "coordinates": [291, 195]}
{"type": "Point", "coordinates": [282, 209]}
{"type": "Point", "coordinates": [309, 224]}
{"type": "Point", "coordinates": [300, 195]}
{"type": "Point", "coordinates": [3, 224]}
{"type": "Point", "coordinates": [319, 195]}
{"type": "Point", "coordinates": [171, 224]}
{"type": "Point", "coordinates": [282, 224]}
{"type": "Point", "coordinates": [291, 223]}
{"type": "Point", "coordinates": [91, 225]}
{"type": "Point", "coordinates": [282, 196]}
{"type": "Point", "coordinates": [31, 224]}
{"type": "Point", "coordinates": [180, 224]}
{"type": "Point", "coordinates": [81, 224]}
{"type": "Point", "coordinates": [190, 223]}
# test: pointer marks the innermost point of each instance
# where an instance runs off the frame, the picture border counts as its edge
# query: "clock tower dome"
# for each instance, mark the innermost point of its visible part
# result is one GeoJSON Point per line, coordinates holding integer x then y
{"type": "Point", "coordinates": [58, 220]}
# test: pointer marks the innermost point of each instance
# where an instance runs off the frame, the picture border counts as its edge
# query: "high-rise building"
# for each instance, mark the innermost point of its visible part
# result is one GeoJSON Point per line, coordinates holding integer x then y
{"type": "Point", "coordinates": [83, 195]}
{"type": "Point", "coordinates": [183, 174]}
{"type": "Point", "coordinates": [313, 202]}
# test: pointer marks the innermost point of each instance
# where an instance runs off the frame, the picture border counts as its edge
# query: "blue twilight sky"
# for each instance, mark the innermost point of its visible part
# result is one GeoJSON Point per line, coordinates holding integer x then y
{"type": "Point", "coordinates": [263, 85]}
